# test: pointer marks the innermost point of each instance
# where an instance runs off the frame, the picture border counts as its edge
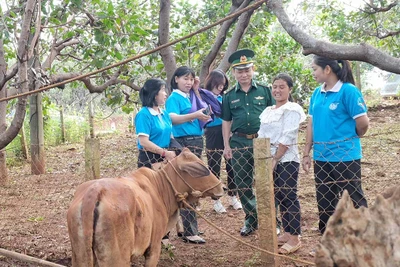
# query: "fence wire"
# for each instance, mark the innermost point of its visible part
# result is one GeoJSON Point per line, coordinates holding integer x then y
{"type": "Point", "coordinates": [33, 207]}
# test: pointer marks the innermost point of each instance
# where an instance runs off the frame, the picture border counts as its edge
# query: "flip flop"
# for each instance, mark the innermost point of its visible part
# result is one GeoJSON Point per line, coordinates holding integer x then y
{"type": "Point", "coordinates": [281, 242]}
{"type": "Point", "coordinates": [288, 249]}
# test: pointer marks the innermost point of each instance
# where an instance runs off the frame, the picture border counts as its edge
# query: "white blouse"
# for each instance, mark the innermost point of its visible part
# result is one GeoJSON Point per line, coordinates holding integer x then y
{"type": "Point", "coordinates": [281, 126]}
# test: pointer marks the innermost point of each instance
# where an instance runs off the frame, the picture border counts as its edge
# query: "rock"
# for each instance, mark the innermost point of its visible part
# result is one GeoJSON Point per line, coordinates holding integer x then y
{"type": "Point", "coordinates": [364, 236]}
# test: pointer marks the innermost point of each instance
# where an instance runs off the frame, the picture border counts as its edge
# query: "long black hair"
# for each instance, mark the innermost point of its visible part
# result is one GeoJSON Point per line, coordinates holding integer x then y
{"type": "Point", "coordinates": [215, 78]}
{"type": "Point", "coordinates": [289, 81]}
{"type": "Point", "coordinates": [340, 67]}
{"type": "Point", "coordinates": [179, 72]}
{"type": "Point", "coordinates": [149, 92]}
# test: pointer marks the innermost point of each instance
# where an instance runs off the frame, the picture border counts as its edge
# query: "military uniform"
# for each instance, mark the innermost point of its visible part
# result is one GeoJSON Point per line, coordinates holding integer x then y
{"type": "Point", "coordinates": [243, 109]}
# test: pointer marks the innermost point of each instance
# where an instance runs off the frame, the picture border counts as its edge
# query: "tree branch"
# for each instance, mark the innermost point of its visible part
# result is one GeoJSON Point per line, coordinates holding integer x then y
{"type": "Point", "coordinates": [362, 52]}
{"type": "Point", "coordinates": [237, 35]}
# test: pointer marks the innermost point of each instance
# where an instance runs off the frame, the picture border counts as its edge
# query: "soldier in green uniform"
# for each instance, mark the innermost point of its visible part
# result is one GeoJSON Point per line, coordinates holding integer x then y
{"type": "Point", "coordinates": [241, 108]}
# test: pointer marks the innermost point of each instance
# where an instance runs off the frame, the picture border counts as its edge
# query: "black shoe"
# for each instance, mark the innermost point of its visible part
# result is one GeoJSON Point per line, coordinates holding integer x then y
{"type": "Point", "coordinates": [245, 231]}
{"type": "Point", "coordinates": [180, 234]}
{"type": "Point", "coordinates": [195, 239]}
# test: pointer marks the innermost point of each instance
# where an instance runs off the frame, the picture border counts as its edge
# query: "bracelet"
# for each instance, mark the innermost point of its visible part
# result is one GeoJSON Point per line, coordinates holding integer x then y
{"type": "Point", "coordinates": [163, 153]}
{"type": "Point", "coordinates": [306, 156]}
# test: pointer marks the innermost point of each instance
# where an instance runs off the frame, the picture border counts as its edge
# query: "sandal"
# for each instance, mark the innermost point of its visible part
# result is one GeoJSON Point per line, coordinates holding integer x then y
{"type": "Point", "coordinates": [281, 242]}
{"type": "Point", "coordinates": [288, 249]}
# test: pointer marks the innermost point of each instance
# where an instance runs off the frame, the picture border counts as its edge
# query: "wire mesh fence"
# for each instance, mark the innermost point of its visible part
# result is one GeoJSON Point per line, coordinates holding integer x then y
{"type": "Point", "coordinates": [33, 207]}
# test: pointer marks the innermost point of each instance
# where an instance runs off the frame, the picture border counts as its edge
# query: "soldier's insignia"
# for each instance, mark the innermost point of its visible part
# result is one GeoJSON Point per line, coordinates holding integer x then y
{"type": "Point", "coordinates": [243, 58]}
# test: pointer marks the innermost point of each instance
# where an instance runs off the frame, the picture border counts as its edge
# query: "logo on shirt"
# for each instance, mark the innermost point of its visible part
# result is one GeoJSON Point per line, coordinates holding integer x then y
{"type": "Point", "coordinates": [361, 103]}
{"type": "Point", "coordinates": [333, 106]}
{"type": "Point", "coordinates": [235, 101]}
{"type": "Point", "coordinates": [258, 97]}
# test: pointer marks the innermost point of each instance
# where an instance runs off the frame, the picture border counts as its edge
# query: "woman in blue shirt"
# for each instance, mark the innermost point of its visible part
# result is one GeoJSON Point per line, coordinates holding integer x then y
{"type": "Point", "coordinates": [217, 82]}
{"type": "Point", "coordinates": [153, 125]}
{"type": "Point", "coordinates": [337, 120]}
{"type": "Point", "coordinates": [188, 132]}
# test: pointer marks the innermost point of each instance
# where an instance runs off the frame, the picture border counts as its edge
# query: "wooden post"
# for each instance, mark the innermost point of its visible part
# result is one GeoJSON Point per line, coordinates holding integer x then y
{"type": "Point", "coordinates": [265, 200]}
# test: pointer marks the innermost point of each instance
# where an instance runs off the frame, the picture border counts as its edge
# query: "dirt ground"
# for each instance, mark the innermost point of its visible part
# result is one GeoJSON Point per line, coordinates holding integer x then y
{"type": "Point", "coordinates": [33, 207]}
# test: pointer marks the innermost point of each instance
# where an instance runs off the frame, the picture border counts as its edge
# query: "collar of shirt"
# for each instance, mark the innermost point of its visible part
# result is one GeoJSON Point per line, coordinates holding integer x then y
{"type": "Point", "coordinates": [155, 112]}
{"type": "Point", "coordinates": [182, 93]}
{"type": "Point", "coordinates": [253, 84]}
{"type": "Point", "coordinates": [335, 88]}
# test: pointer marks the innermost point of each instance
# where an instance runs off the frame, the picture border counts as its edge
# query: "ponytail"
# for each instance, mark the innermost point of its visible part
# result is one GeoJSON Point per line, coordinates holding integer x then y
{"type": "Point", "coordinates": [340, 67]}
{"type": "Point", "coordinates": [345, 73]}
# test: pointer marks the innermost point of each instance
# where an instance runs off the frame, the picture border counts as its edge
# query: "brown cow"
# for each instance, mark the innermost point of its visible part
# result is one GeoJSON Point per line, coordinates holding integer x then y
{"type": "Point", "coordinates": [112, 219]}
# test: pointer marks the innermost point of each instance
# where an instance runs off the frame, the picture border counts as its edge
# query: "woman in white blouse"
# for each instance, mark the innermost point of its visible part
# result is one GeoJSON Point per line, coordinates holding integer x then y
{"type": "Point", "coordinates": [280, 123]}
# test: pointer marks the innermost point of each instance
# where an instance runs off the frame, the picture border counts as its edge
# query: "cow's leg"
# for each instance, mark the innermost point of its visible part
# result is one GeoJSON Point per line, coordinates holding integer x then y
{"type": "Point", "coordinates": [152, 254]}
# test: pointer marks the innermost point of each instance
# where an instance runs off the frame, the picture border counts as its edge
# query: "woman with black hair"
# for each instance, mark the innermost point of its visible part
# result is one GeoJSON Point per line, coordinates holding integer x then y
{"type": "Point", "coordinates": [153, 125]}
{"type": "Point", "coordinates": [188, 132]}
{"type": "Point", "coordinates": [280, 123]}
{"type": "Point", "coordinates": [337, 120]}
{"type": "Point", "coordinates": [217, 82]}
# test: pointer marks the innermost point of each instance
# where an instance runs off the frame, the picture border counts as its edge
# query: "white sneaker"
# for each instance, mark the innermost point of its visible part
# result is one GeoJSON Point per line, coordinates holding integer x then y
{"type": "Point", "coordinates": [235, 203]}
{"type": "Point", "coordinates": [218, 207]}
{"type": "Point", "coordinates": [278, 230]}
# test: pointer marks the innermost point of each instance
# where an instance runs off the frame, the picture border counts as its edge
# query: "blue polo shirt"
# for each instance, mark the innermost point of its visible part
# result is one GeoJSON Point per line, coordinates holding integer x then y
{"type": "Point", "coordinates": [217, 121]}
{"type": "Point", "coordinates": [157, 127]}
{"type": "Point", "coordinates": [179, 103]}
{"type": "Point", "coordinates": [334, 127]}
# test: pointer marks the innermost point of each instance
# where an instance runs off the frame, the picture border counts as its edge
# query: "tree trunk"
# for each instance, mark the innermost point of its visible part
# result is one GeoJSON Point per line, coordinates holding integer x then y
{"type": "Point", "coordinates": [24, 148]}
{"type": "Point", "coordinates": [62, 124]}
{"type": "Point", "coordinates": [364, 236]}
{"type": "Point", "coordinates": [357, 74]}
{"type": "Point", "coordinates": [167, 54]}
{"type": "Point", "coordinates": [3, 127]}
{"type": "Point", "coordinates": [37, 136]}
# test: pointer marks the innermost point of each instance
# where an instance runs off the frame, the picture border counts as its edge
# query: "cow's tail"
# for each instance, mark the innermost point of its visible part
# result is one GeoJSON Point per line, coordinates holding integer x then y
{"type": "Point", "coordinates": [85, 217]}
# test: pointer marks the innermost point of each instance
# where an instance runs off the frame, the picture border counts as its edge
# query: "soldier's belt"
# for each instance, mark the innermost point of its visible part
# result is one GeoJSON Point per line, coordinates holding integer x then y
{"type": "Point", "coordinates": [247, 136]}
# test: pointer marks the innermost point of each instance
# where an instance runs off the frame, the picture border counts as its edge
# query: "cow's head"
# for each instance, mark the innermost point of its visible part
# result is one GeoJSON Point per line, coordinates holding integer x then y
{"type": "Point", "coordinates": [196, 176]}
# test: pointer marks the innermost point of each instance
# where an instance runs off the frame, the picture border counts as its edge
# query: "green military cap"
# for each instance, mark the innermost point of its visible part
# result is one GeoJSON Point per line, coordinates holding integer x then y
{"type": "Point", "coordinates": [242, 59]}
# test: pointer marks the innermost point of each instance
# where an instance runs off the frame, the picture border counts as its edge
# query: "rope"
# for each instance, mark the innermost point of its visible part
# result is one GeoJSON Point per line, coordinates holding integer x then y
{"type": "Point", "coordinates": [148, 52]}
{"type": "Point", "coordinates": [245, 243]}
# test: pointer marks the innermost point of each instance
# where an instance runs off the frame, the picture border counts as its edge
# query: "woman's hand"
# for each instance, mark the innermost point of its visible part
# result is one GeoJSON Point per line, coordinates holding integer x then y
{"type": "Point", "coordinates": [227, 152]}
{"type": "Point", "coordinates": [201, 116]}
{"type": "Point", "coordinates": [306, 163]}
{"type": "Point", "coordinates": [169, 155]}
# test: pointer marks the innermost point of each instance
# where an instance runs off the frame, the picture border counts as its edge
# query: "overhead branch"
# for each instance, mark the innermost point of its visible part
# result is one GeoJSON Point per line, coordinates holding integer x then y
{"type": "Point", "coordinates": [373, 9]}
{"type": "Point", "coordinates": [362, 52]}
{"type": "Point", "coordinates": [220, 39]}
{"type": "Point", "coordinates": [237, 35]}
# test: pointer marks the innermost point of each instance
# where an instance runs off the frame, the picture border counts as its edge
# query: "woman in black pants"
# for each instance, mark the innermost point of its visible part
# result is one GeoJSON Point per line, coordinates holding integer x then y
{"type": "Point", "coordinates": [217, 82]}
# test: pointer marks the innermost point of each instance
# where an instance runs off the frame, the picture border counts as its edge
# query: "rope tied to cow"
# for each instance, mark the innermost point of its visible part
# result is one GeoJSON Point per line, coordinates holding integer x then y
{"type": "Point", "coordinates": [245, 243]}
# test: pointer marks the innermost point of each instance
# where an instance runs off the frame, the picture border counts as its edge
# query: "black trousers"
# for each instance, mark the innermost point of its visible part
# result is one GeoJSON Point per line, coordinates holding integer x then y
{"type": "Point", "coordinates": [285, 182]}
{"type": "Point", "coordinates": [189, 218]}
{"type": "Point", "coordinates": [215, 150]}
{"type": "Point", "coordinates": [331, 179]}
{"type": "Point", "coordinates": [146, 158]}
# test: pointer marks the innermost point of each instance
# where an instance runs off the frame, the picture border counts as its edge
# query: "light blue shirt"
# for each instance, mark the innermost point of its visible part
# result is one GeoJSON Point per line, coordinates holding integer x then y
{"type": "Point", "coordinates": [179, 103]}
{"type": "Point", "coordinates": [217, 121]}
{"type": "Point", "coordinates": [157, 127]}
{"type": "Point", "coordinates": [334, 127]}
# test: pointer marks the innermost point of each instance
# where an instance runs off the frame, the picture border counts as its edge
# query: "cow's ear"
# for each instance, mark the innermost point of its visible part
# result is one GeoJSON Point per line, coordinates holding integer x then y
{"type": "Point", "coordinates": [195, 169]}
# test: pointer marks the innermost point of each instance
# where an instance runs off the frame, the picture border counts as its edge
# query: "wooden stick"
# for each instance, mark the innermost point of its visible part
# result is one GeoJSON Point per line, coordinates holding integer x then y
{"type": "Point", "coordinates": [26, 258]}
